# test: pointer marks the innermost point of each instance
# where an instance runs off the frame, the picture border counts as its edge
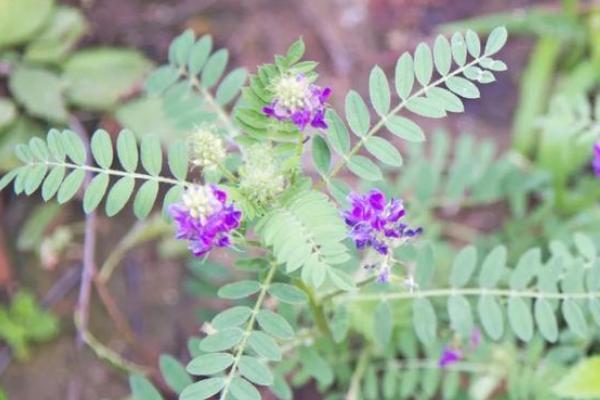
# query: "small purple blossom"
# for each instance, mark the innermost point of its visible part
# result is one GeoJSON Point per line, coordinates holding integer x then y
{"type": "Point", "coordinates": [450, 356]}
{"type": "Point", "coordinates": [298, 101]}
{"type": "Point", "coordinates": [204, 219]}
{"type": "Point", "coordinates": [596, 160]}
{"type": "Point", "coordinates": [376, 223]}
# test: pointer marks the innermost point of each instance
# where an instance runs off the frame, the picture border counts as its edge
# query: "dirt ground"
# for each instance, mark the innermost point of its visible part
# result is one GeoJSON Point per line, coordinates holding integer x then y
{"type": "Point", "coordinates": [346, 36]}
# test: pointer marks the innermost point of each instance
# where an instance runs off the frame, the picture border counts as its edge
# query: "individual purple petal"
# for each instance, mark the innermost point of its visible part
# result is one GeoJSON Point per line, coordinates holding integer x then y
{"type": "Point", "coordinates": [449, 356]}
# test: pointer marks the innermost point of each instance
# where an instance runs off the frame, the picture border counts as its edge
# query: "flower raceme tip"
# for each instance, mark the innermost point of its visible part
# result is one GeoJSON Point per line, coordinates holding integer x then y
{"type": "Point", "coordinates": [596, 160]}
{"type": "Point", "coordinates": [204, 219]}
{"type": "Point", "coordinates": [299, 101]}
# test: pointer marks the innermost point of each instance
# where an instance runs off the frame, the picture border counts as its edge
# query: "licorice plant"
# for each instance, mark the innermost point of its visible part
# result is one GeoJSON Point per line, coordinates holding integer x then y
{"type": "Point", "coordinates": [337, 275]}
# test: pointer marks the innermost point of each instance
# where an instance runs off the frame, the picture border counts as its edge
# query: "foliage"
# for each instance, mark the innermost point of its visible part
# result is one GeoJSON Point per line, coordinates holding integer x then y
{"type": "Point", "coordinates": [300, 303]}
{"type": "Point", "coordinates": [48, 78]}
{"type": "Point", "coordinates": [24, 322]}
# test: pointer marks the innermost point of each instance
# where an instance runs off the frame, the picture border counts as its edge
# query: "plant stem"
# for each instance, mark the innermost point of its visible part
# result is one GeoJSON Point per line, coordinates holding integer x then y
{"type": "Point", "coordinates": [342, 291]}
{"type": "Point", "coordinates": [361, 367]}
{"type": "Point", "coordinates": [249, 327]}
{"type": "Point", "coordinates": [446, 292]}
{"type": "Point", "coordinates": [316, 308]}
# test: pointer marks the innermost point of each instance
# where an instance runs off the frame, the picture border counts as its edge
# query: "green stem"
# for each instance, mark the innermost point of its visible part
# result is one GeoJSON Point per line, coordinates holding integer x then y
{"type": "Point", "coordinates": [98, 170]}
{"type": "Point", "coordinates": [228, 174]}
{"type": "Point", "coordinates": [339, 292]}
{"type": "Point", "coordinates": [468, 292]}
{"type": "Point", "coordinates": [316, 308]}
{"type": "Point", "coordinates": [249, 328]}
{"type": "Point", "coordinates": [361, 367]}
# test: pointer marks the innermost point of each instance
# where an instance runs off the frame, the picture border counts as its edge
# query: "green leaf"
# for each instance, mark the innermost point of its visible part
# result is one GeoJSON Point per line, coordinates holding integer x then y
{"type": "Point", "coordinates": [34, 178]}
{"type": "Point", "coordinates": [442, 55]}
{"type": "Point", "coordinates": [231, 86]}
{"type": "Point", "coordinates": [496, 40]}
{"type": "Point", "coordinates": [405, 129]}
{"type": "Point", "coordinates": [203, 389]}
{"type": "Point", "coordinates": [581, 381]}
{"type": "Point", "coordinates": [519, 317]}
{"type": "Point", "coordinates": [274, 324]}
{"type": "Point", "coordinates": [462, 87]}
{"type": "Point", "coordinates": [161, 79]}
{"type": "Point", "coordinates": [66, 27]}
{"type": "Point", "coordinates": [97, 79]}
{"type": "Point", "coordinates": [546, 320]}
{"type": "Point", "coordinates": [527, 268]}
{"type": "Point", "coordinates": [95, 192]}
{"type": "Point", "coordinates": [142, 389]}
{"type": "Point", "coordinates": [295, 52]}
{"type": "Point", "coordinates": [102, 150]}
{"type": "Point", "coordinates": [214, 68]}
{"type": "Point", "coordinates": [492, 268]}
{"type": "Point", "coordinates": [151, 154]}
{"type": "Point", "coordinates": [473, 43]}
{"type": "Point", "coordinates": [461, 317]}
{"type": "Point", "coordinates": [404, 76]}
{"type": "Point", "coordinates": [173, 195]}
{"type": "Point", "coordinates": [382, 324]}
{"type": "Point", "coordinates": [74, 147]}
{"type": "Point", "coordinates": [321, 154]}
{"type": "Point", "coordinates": [239, 290]}
{"type": "Point", "coordinates": [424, 320]}
{"type": "Point", "coordinates": [423, 64]}
{"type": "Point", "coordinates": [585, 246]}
{"type": "Point", "coordinates": [337, 132]}
{"type": "Point", "coordinates": [357, 114]}
{"type": "Point", "coordinates": [8, 112]}
{"type": "Point", "coordinates": [221, 340]}
{"type": "Point", "coordinates": [8, 177]}
{"type": "Point", "coordinates": [119, 195]}
{"type": "Point", "coordinates": [264, 346]}
{"type": "Point", "coordinates": [365, 168]}
{"type": "Point", "coordinates": [199, 54]}
{"type": "Point", "coordinates": [180, 48]}
{"type": "Point", "coordinates": [379, 91]}
{"type": "Point", "coordinates": [55, 146]}
{"type": "Point", "coordinates": [463, 266]}
{"type": "Point", "coordinates": [209, 364]}
{"type": "Point", "coordinates": [445, 99]}
{"type": "Point", "coordinates": [575, 318]}
{"type": "Point", "coordinates": [70, 186]}
{"type": "Point", "coordinates": [174, 373]}
{"type": "Point", "coordinates": [178, 160]}
{"type": "Point", "coordinates": [459, 48]}
{"type": "Point", "coordinates": [231, 317]}
{"type": "Point", "coordinates": [127, 150]}
{"type": "Point", "coordinates": [144, 199]}
{"type": "Point", "coordinates": [241, 389]}
{"type": "Point", "coordinates": [52, 182]}
{"type": "Point", "coordinates": [38, 148]}
{"type": "Point", "coordinates": [255, 371]}
{"type": "Point", "coordinates": [40, 92]}
{"type": "Point", "coordinates": [384, 151]}
{"type": "Point", "coordinates": [490, 315]}
{"type": "Point", "coordinates": [426, 107]}
{"type": "Point", "coordinates": [288, 293]}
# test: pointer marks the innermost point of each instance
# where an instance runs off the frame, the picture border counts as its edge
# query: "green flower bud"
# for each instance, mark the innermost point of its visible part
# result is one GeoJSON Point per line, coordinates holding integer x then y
{"type": "Point", "coordinates": [260, 177]}
{"type": "Point", "coordinates": [207, 149]}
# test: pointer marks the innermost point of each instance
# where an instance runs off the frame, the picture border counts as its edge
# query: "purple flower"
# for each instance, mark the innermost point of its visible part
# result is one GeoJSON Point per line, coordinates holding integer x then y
{"type": "Point", "coordinates": [298, 101]}
{"type": "Point", "coordinates": [449, 356]}
{"type": "Point", "coordinates": [204, 219]}
{"type": "Point", "coordinates": [376, 223]}
{"type": "Point", "coordinates": [596, 160]}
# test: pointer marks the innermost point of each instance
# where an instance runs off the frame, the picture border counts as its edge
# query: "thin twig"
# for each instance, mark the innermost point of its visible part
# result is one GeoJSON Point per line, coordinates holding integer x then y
{"type": "Point", "coordinates": [89, 246]}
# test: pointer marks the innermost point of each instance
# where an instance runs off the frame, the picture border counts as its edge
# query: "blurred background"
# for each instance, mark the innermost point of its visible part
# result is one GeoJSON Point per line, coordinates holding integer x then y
{"type": "Point", "coordinates": [82, 63]}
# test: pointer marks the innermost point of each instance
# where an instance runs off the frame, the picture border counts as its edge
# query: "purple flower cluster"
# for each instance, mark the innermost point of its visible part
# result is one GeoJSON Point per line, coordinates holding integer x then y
{"type": "Point", "coordinates": [376, 223]}
{"type": "Point", "coordinates": [596, 161]}
{"type": "Point", "coordinates": [204, 219]}
{"type": "Point", "coordinates": [298, 101]}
